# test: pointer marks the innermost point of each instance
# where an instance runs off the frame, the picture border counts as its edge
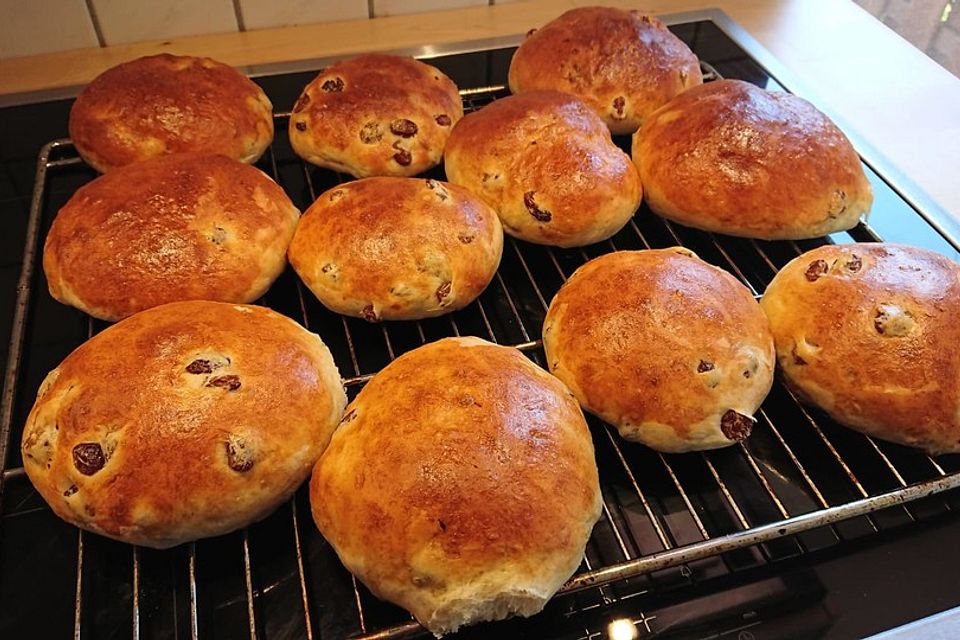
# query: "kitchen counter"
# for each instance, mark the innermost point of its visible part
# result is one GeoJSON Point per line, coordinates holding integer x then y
{"type": "Point", "coordinates": [871, 80]}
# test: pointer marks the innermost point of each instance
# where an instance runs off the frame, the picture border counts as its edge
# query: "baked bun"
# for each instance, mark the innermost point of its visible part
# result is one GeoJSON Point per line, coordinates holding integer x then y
{"type": "Point", "coordinates": [624, 64]}
{"type": "Point", "coordinates": [376, 115]}
{"type": "Point", "coordinates": [732, 158]}
{"type": "Point", "coordinates": [869, 333]}
{"type": "Point", "coordinates": [672, 351]}
{"type": "Point", "coordinates": [546, 163]}
{"type": "Point", "coordinates": [182, 422]}
{"type": "Point", "coordinates": [163, 104]}
{"type": "Point", "coordinates": [179, 227]}
{"type": "Point", "coordinates": [397, 248]}
{"type": "Point", "coordinates": [460, 484]}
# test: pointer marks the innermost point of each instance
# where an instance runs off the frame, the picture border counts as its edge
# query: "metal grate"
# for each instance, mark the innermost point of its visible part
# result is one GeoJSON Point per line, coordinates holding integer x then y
{"type": "Point", "coordinates": [799, 483]}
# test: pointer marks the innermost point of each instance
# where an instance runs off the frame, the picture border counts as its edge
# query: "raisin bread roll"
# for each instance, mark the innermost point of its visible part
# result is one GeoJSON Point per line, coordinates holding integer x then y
{"type": "Point", "coordinates": [181, 422]}
{"type": "Point", "coordinates": [163, 104]}
{"type": "Point", "coordinates": [376, 115]}
{"type": "Point", "coordinates": [869, 333]}
{"type": "Point", "coordinates": [732, 158]}
{"type": "Point", "coordinates": [397, 248]}
{"type": "Point", "coordinates": [181, 227]}
{"type": "Point", "coordinates": [545, 162]}
{"type": "Point", "coordinates": [460, 485]}
{"type": "Point", "coordinates": [624, 64]}
{"type": "Point", "coordinates": [672, 351]}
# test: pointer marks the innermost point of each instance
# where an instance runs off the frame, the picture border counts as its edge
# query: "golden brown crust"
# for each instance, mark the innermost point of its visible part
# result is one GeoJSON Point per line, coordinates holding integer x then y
{"type": "Point", "coordinates": [179, 227]}
{"type": "Point", "coordinates": [164, 104]}
{"type": "Point", "coordinates": [545, 162]}
{"type": "Point", "coordinates": [397, 248]}
{"type": "Point", "coordinates": [185, 421]}
{"type": "Point", "coordinates": [624, 64]}
{"type": "Point", "coordinates": [461, 484]}
{"type": "Point", "coordinates": [869, 333]}
{"type": "Point", "coordinates": [376, 115]}
{"type": "Point", "coordinates": [672, 351]}
{"type": "Point", "coordinates": [732, 158]}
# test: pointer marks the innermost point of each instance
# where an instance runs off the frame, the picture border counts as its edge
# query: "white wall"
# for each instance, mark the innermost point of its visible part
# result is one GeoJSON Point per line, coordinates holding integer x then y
{"type": "Point", "coordinates": [42, 26]}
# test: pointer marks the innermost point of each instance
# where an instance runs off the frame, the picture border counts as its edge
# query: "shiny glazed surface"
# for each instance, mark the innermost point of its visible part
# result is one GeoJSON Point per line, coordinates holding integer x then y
{"type": "Point", "coordinates": [869, 333]}
{"type": "Point", "coordinates": [164, 104]}
{"type": "Point", "coordinates": [178, 227]}
{"type": "Point", "coordinates": [733, 158]}
{"type": "Point", "coordinates": [375, 115]}
{"type": "Point", "coordinates": [624, 64]}
{"type": "Point", "coordinates": [461, 484]}
{"type": "Point", "coordinates": [182, 422]}
{"type": "Point", "coordinates": [547, 164]}
{"type": "Point", "coordinates": [397, 248]}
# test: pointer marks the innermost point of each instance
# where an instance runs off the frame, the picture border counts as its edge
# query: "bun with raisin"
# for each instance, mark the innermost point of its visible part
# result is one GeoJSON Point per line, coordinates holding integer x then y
{"type": "Point", "coordinates": [162, 104]}
{"type": "Point", "coordinates": [545, 162]}
{"type": "Point", "coordinates": [187, 226]}
{"type": "Point", "coordinates": [461, 484]}
{"type": "Point", "coordinates": [185, 421]}
{"type": "Point", "coordinates": [624, 64]}
{"type": "Point", "coordinates": [397, 248]}
{"type": "Point", "coordinates": [672, 351]}
{"type": "Point", "coordinates": [869, 333]}
{"type": "Point", "coordinates": [376, 115]}
{"type": "Point", "coordinates": [733, 158]}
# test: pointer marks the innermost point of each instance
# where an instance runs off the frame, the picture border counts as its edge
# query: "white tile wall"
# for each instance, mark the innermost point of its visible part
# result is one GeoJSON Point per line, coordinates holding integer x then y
{"type": "Point", "coordinates": [124, 21]}
{"type": "Point", "coordinates": [396, 7]}
{"type": "Point", "coordinates": [261, 14]}
{"type": "Point", "coordinates": [42, 26]}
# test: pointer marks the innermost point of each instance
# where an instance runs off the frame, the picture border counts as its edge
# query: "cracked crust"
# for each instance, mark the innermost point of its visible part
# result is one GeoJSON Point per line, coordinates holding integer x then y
{"type": "Point", "coordinates": [397, 248]}
{"type": "Point", "coordinates": [162, 104]}
{"type": "Point", "coordinates": [545, 162]}
{"type": "Point", "coordinates": [460, 485]}
{"type": "Point", "coordinates": [185, 421]}
{"type": "Point", "coordinates": [869, 333]}
{"type": "Point", "coordinates": [624, 64]}
{"type": "Point", "coordinates": [375, 115]}
{"type": "Point", "coordinates": [672, 351]}
{"type": "Point", "coordinates": [178, 227]}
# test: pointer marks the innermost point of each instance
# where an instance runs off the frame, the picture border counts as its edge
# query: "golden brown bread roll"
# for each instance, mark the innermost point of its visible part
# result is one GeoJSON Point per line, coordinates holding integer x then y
{"type": "Point", "coordinates": [869, 333]}
{"type": "Point", "coordinates": [460, 484]}
{"type": "Point", "coordinates": [178, 227]}
{"type": "Point", "coordinates": [397, 248]}
{"type": "Point", "coordinates": [164, 104]}
{"type": "Point", "coordinates": [376, 115]}
{"type": "Point", "coordinates": [545, 162]}
{"type": "Point", "coordinates": [185, 421]}
{"type": "Point", "coordinates": [672, 351]}
{"type": "Point", "coordinates": [624, 64]}
{"type": "Point", "coordinates": [732, 158]}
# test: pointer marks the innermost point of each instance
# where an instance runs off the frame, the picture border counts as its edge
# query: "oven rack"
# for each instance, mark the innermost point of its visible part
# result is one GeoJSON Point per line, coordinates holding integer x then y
{"type": "Point", "coordinates": [797, 473]}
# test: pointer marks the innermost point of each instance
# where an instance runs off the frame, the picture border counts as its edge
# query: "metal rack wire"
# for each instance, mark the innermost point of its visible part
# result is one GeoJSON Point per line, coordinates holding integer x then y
{"type": "Point", "coordinates": [798, 472]}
